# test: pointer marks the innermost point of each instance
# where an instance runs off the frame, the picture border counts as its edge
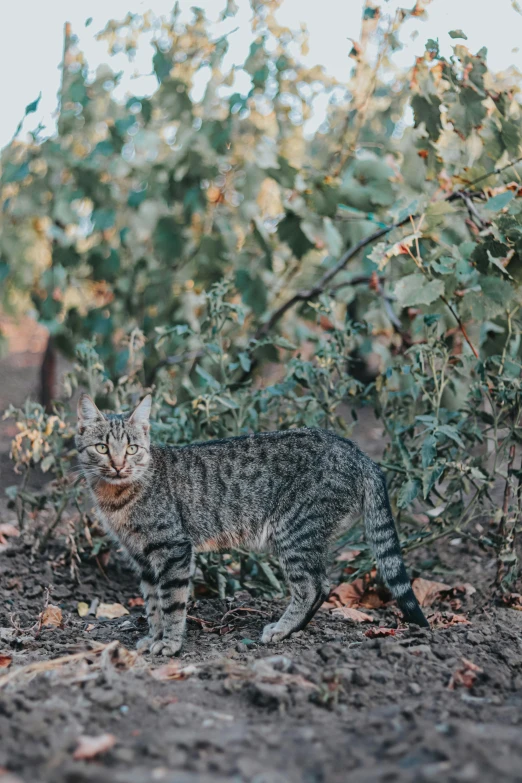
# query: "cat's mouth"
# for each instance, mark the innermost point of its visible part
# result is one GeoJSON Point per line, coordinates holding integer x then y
{"type": "Point", "coordinates": [114, 479]}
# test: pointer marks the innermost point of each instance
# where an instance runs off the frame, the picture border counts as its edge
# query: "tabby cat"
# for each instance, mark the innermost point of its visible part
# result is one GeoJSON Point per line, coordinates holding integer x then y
{"type": "Point", "coordinates": [287, 492]}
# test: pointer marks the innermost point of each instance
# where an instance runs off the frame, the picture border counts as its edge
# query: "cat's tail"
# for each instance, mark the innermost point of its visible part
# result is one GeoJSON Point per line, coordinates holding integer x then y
{"type": "Point", "coordinates": [381, 535]}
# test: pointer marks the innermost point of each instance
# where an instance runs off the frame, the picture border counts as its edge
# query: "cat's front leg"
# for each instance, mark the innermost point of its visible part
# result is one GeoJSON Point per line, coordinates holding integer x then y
{"type": "Point", "coordinates": [173, 572]}
{"type": "Point", "coordinates": [153, 610]}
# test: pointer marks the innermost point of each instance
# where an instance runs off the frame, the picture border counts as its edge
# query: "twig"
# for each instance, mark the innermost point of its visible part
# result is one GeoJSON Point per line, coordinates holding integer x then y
{"type": "Point", "coordinates": [461, 326]}
{"type": "Point", "coordinates": [310, 293]}
{"type": "Point", "coordinates": [55, 663]}
{"type": "Point", "coordinates": [505, 529]}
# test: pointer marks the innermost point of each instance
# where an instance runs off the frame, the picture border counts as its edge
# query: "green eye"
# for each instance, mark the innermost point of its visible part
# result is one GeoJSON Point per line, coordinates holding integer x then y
{"type": "Point", "coordinates": [132, 449]}
{"type": "Point", "coordinates": [101, 448]}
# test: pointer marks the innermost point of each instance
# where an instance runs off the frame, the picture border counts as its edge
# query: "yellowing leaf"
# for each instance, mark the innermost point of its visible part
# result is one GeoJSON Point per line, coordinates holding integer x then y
{"type": "Point", "coordinates": [111, 611]}
{"type": "Point", "coordinates": [82, 608]}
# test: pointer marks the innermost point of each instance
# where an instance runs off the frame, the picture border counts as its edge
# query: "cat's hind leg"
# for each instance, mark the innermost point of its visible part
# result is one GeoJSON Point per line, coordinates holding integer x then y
{"type": "Point", "coordinates": [306, 577]}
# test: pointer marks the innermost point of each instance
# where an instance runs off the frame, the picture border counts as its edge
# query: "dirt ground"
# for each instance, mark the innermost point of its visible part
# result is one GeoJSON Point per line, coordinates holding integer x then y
{"type": "Point", "coordinates": [334, 703]}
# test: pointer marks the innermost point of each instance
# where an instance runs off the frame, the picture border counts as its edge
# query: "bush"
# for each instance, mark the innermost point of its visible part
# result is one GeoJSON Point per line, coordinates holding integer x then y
{"type": "Point", "coordinates": [201, 246]}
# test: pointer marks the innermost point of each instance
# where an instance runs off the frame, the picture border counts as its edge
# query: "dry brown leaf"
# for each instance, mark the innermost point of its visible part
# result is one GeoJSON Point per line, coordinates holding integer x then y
{"type": "Point", "coordinates": [427, 591]}
{"type": "Point", "coordinates": [111, 611]}
{"type": "Point", "coordinates": [465, 588]}
{"type": "Point", "coordinates": [82, 608]}
{"type": "Point", "coordinates": [440, 620]}
{"type": "Point", "coordinates": [6, 529]}
{"type": "Point", "coordinates": [348, 555]}
{"type": "Point", "coordinates": [136, 602]}
{"type": "Point", "coordinates": [465, 676]}
{"type": "Point", "coordinates": [375, 633]}
{"type": "Point", "coordinates": [5, 661]}
{"type": "Point", "coordinates": [352, 614]}
{"type": "Point", "coordinates": [355, 594]}
{"type": "Point", "coordinates": [120, 657]}
{"type": "Point", "coordinates": [173, 671]}
{"type": "Point", "coordinates": [9, 777]}
{"type": "Point", "coordinates": [90, 747]}
{"type": "Point", "coordinates": [52, 616]}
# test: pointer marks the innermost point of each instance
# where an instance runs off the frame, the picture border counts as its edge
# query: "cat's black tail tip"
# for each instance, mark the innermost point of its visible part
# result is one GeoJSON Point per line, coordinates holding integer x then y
{"type": "Point", "coordinates": [414, 614]}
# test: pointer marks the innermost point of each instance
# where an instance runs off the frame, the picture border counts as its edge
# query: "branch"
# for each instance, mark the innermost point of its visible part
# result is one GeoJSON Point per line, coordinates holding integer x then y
{"type": "Point", "coordinates": [319, 288]}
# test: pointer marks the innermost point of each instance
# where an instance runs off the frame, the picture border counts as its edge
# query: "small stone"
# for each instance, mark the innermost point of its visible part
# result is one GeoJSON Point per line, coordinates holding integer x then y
{"type": "Point", "coordinates": [361, 677]}
{"type": "Point", "coordinates": [280, 663]}
{"type": "Point", "coordinates": [108, 698]}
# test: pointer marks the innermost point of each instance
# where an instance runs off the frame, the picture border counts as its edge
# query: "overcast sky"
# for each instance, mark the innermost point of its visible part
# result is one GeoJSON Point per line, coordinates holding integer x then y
{"type": "Point", "coordinates": [31, 40]}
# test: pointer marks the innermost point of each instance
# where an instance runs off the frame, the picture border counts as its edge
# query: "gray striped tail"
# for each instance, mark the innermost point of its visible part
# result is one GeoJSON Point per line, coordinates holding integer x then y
{"type": "Point", "coordinates": [381, 535]}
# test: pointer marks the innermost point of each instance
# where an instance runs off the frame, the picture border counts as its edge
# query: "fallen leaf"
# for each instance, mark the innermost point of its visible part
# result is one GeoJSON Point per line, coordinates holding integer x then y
{"type": "Point", "coordinates": [136, 602]}
{"type": "Point", "coordinates": [348, 555]}
{"type": "Point", "coordinates": [82, 608]}
{"type": "Point", "coordinates": [173, 671]}
{"type": "Point", "coordinates": [121, 658]}
{"type": "Point", "coordinates": [354, 594]}
{"type": "Point", "coordinates": [90, 747]}
{"type": "Point", "coordinates": [9, 777]}
{"type": "Point", "coordinates": [52, 616]}
{"type": "Point", "coordinates": [513, 600]}
{"type": "Point", "coordinates": [440, 620]}
{"type": "Point", "coordinates": [427, 591]}
{"type": "Point", "coordinates": [111, 611]}
{"type": "Point", "coordinates": [464, 588]}
{"type": "Point", "coordinates": [6, 529]}
{"type": "Point", "coordinates": [375, 633]}
{"type": "Point", "coordinates": [465, 676]}
{"type": "Point", "coordinates": [352, 614]}
{"type": "Point", "coordinates": [5, 661]}
{"type": "Point", "coordinates": [90, 627]}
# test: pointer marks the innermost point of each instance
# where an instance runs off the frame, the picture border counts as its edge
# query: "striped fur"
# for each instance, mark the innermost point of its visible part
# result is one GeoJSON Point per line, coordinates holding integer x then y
{"type": "Point", "coordinates": [287, 492]}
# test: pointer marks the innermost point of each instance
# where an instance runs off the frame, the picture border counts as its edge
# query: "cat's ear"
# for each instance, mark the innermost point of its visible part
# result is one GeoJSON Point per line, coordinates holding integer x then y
{"type": "Point", "coordinates": [141, 414]}
{"type": "Point", "coordinates": [88, 413]}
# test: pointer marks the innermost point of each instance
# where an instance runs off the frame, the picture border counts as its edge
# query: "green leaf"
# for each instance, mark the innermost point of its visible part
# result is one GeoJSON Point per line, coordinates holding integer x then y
{"type": "Point", "coordinates": [32, 107]}
{"type": "Point", "coordinates": [162, 66]}
{"type": "Point", "coordinates": [458, 34]}
{"type": "Point", "coordinates": [282, 342]}
{"type": "Point", "coordinates": [168, 239]}
{"type": "Point", "coordinates": [430, 478]}
{"type": "Point", "coordinates": [500, 201]}
{"type": "Point", "coordinates": [408, 492]}
{"type": "Point", "coordinates": [414, 290]}
{"type": "Point", "coordinates": [427, 111]}
{"type": "Point", "coordinates": [428, 450]}
{"type": "Point", "coordinates": [252, 289]}
{"type": "Point", "coordinates": [103, 219]}
{"type": "Point", "coordinates": [244, 361]}
{"type": "Point", "coordinates": [290, 231]}
{"type": "Point", "coordinates": [208, 378]}
{"type": "Point", "coordinates": [450, 432]}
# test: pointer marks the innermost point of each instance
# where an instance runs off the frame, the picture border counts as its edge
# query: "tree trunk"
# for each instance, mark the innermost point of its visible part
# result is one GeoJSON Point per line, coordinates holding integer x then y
{"type": "Point", "coordinates": [48, 375]}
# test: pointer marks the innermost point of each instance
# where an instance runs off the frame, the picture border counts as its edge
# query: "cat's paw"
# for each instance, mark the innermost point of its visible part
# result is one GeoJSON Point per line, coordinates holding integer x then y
{"type": "Point", "coordinates": [271, 633]}
{"type": "Point", "coordinates": [165, 647]}
{"type": "Point", "coordinates": [144, 644]}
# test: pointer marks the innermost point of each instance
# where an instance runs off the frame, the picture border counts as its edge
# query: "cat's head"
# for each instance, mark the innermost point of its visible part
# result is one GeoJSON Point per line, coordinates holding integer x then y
{"type": "Point", "coordinates": [113, 447]}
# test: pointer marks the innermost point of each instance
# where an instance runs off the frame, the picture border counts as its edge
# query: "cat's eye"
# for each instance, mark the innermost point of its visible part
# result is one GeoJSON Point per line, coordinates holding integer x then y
{"type": "Point", "coordinates": [101, 448]}
{"type": "Point", "coordinates": [132, 449]}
